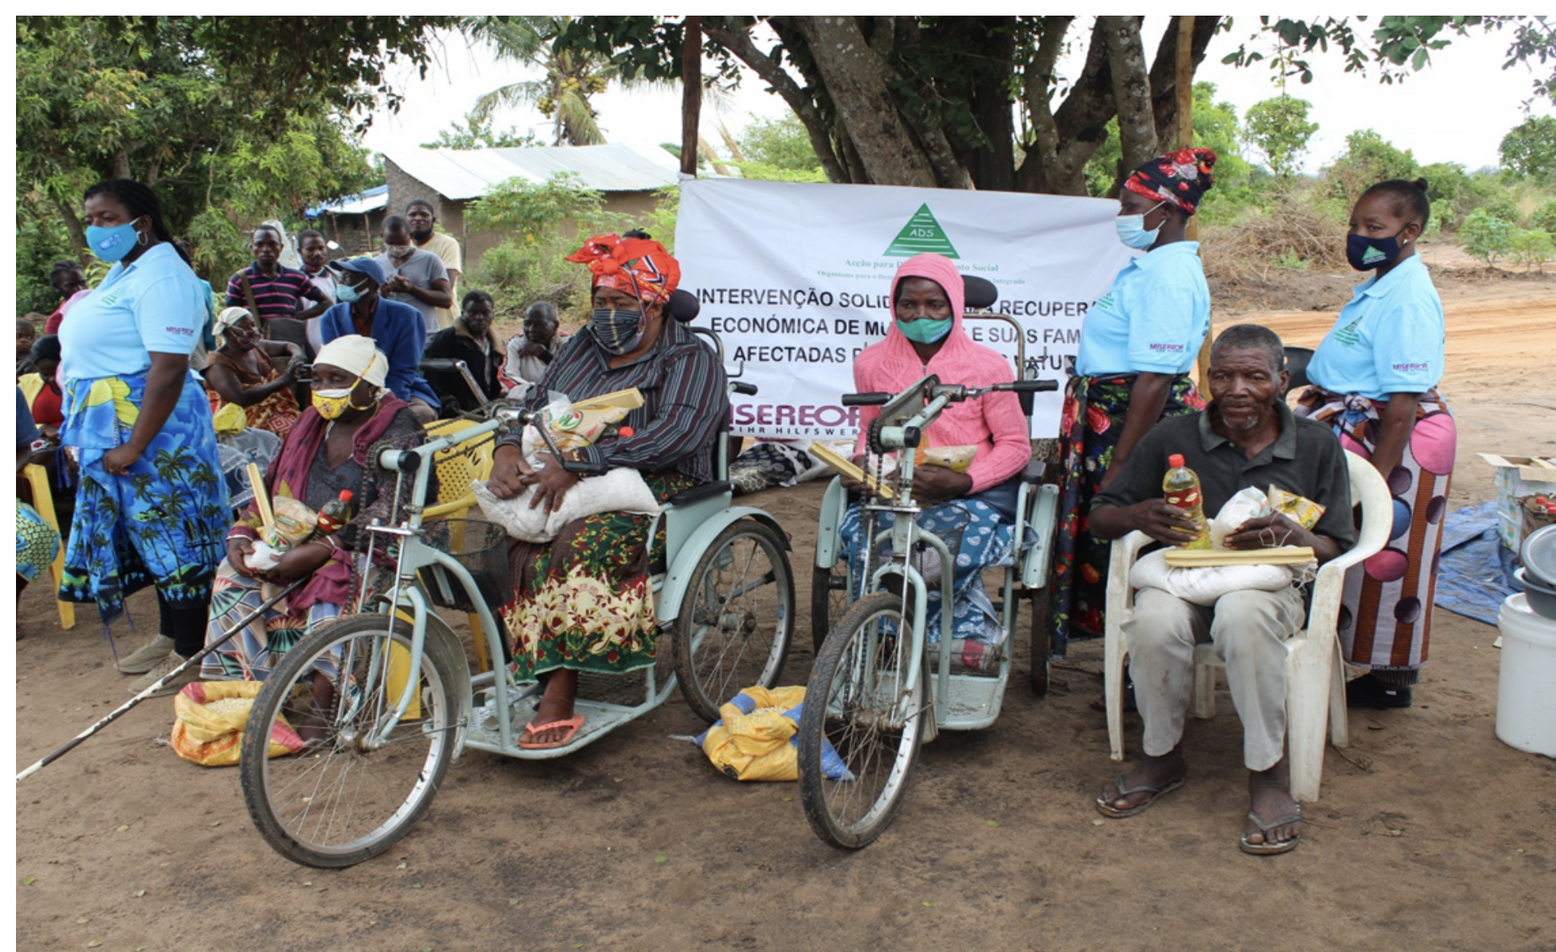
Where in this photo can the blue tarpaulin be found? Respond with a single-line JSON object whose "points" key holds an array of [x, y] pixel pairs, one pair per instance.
{"points": [[1475, 572]]}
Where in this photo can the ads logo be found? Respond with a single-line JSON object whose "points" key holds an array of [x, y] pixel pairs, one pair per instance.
{"points": [[921, 235]]}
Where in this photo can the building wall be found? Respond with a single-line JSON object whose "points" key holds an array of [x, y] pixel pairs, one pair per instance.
{"points": [[404, 187]]}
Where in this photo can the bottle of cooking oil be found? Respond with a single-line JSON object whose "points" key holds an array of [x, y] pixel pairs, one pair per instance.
{"points": [[1180, 487]]}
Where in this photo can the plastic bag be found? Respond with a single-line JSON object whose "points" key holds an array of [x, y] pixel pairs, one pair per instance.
{"points": [[1248, 504], [620, 490], [214, 738], [1301, 510], [754, 737], [1203, 585]]}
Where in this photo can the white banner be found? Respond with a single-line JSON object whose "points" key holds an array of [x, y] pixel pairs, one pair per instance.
{"points": [[795, 279]]}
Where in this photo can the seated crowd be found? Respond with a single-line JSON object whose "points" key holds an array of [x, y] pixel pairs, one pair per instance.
{"points": [[116, 402]]}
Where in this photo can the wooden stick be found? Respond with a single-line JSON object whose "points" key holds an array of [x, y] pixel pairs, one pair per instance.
{"points": [[261, 497], [1278, 555], [846, 466]]}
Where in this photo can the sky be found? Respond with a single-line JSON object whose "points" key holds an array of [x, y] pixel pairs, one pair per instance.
{"points": [[1456, 110]]}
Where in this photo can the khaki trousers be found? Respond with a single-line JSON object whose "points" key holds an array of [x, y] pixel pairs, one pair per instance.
{"points": [[1248, 630]]}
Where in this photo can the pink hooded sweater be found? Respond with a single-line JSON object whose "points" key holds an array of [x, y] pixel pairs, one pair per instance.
{"points": [[993, 423]]}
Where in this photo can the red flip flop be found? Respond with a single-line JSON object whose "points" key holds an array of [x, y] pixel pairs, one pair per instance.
{"points": [[530, 730]]}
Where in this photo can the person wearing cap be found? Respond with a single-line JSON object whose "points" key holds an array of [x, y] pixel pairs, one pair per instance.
{"points": [[583, 602], [1246, 437], [240, 371], [398, 330], [326, 452], [1137, 345]]}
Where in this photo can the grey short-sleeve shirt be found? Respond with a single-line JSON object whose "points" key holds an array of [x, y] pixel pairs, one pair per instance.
{"points": [[422, 268], [1305, 459]]}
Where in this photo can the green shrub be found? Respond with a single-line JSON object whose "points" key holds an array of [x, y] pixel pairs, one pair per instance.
{"points": [[1544, 218], [1531, 248], [1486, 236]]}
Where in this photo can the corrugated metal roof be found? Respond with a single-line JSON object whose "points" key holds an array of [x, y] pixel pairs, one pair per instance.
{"points": [[368, 201], [469, 173]]}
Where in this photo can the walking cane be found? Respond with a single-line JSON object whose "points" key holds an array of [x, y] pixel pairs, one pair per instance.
{"points": [[226, 637]]}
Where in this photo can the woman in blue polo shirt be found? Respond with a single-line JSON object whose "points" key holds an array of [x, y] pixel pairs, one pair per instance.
{"points": [[1138, 343], [151, 507], [1374, 379]]}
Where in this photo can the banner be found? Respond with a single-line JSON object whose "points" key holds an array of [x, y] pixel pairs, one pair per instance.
{"points": [[796, 278]]}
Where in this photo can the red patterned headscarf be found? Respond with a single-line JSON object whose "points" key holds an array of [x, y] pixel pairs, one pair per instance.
{"points": [[1179, 177], [640, 267]]}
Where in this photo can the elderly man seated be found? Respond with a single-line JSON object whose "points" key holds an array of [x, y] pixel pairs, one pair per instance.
{"points": [[1245, 437]]}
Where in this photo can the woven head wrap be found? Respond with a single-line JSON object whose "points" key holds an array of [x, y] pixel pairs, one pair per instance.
{"points": [[640, 267], [1179, 178], [356, 355]]}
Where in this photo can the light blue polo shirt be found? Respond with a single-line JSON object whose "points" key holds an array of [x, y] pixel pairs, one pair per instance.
{"points": [[153, 306], [1391, 338], [1152, 320]]}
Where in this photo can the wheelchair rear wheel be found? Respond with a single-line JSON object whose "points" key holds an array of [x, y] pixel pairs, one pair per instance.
{"points": [[862, 724], [1042, 640], [738, 618]]}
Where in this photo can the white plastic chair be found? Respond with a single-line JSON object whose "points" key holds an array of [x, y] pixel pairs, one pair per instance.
{"points": [[1315, 672]]}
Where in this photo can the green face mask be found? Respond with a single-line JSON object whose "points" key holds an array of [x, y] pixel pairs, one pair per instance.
{"points": [[924, 330]]}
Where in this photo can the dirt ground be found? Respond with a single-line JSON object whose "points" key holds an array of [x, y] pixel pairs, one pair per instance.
{"points": [[1430, 833]]}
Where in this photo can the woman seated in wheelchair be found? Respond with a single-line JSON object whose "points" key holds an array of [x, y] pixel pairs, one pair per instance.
{"points": [[975, 511], [583, 601], [329, 449]]}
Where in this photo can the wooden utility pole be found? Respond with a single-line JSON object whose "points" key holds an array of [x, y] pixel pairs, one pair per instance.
{"points": [[691, 93], [1185, 90]]}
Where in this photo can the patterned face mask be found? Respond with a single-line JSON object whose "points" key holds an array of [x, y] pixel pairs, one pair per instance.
{"points": [[618, 332]]}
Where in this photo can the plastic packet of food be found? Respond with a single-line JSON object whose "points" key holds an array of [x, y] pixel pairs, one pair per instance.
{"points": [[955, 458], [1301, 510], [575, 425]]}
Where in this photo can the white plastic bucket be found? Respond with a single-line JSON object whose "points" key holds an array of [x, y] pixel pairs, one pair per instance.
{"points": [[1526, 686]]}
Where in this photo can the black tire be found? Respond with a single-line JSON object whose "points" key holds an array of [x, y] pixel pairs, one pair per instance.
{"points": [[853, 707], [1042, 640], [737, 619], [828, 598], [401, 776]]}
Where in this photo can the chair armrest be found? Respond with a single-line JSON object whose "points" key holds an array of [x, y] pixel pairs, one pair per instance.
{"points": [[1121, 560], [1032, 473], [449, 508]]}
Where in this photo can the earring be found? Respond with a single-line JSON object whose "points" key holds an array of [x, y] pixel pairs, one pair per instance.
{"points": [[140, 238]]}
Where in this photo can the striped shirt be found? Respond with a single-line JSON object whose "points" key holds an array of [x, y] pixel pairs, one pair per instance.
{"points": [[281, 295], [685, 403]]}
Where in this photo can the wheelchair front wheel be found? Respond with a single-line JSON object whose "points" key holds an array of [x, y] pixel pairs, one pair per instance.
{"points": [[348, 793], [862, 724], [735, 626], [828, 598], [1042, 639]]}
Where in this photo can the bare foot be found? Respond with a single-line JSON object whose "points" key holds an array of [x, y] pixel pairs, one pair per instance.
{"points": [[1156, 772], [1269, 799], [556, 704]]}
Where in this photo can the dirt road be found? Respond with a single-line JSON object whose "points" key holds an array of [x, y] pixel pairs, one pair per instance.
{"points": [[1430, 833]]}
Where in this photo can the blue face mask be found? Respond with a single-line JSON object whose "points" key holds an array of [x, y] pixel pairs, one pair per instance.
{"points": [[112, 244], [925, 330], [1131, 230], [347, 293], [1367, 254]]}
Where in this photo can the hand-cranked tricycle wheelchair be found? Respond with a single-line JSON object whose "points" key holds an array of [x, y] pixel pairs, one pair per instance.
{"points": [[878, 689], [376, 705]]}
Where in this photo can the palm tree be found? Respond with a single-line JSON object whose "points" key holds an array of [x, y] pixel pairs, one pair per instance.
{"points": [[562, 95]]}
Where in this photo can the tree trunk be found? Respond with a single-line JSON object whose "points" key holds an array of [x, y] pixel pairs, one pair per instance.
{"points": [[691, 95], [737, 40], [1131, 89], [856, 80], [72, 225], [1164, 94]]}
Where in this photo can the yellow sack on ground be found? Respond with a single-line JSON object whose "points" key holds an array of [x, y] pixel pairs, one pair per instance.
{"points": [[209, 720], [230, 419], [751, 739]]}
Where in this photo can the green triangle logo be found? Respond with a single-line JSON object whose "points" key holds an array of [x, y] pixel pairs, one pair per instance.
{"points": [[921, 235], [1373, 254]]}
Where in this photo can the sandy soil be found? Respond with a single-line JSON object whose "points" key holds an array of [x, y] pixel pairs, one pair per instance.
{"points": [[1430, 833]]}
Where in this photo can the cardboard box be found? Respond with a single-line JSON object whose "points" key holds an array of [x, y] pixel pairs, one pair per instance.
{"points": [[1516, 478]]}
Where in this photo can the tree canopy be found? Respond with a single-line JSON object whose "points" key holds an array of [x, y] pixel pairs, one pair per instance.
{"points": [[978, 101]]}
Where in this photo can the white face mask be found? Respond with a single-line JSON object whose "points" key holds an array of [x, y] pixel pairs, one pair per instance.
{"points": [[1131, 229]]}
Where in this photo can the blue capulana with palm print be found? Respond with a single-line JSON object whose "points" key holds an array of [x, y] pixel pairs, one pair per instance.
{"points": [[165, 523]]}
